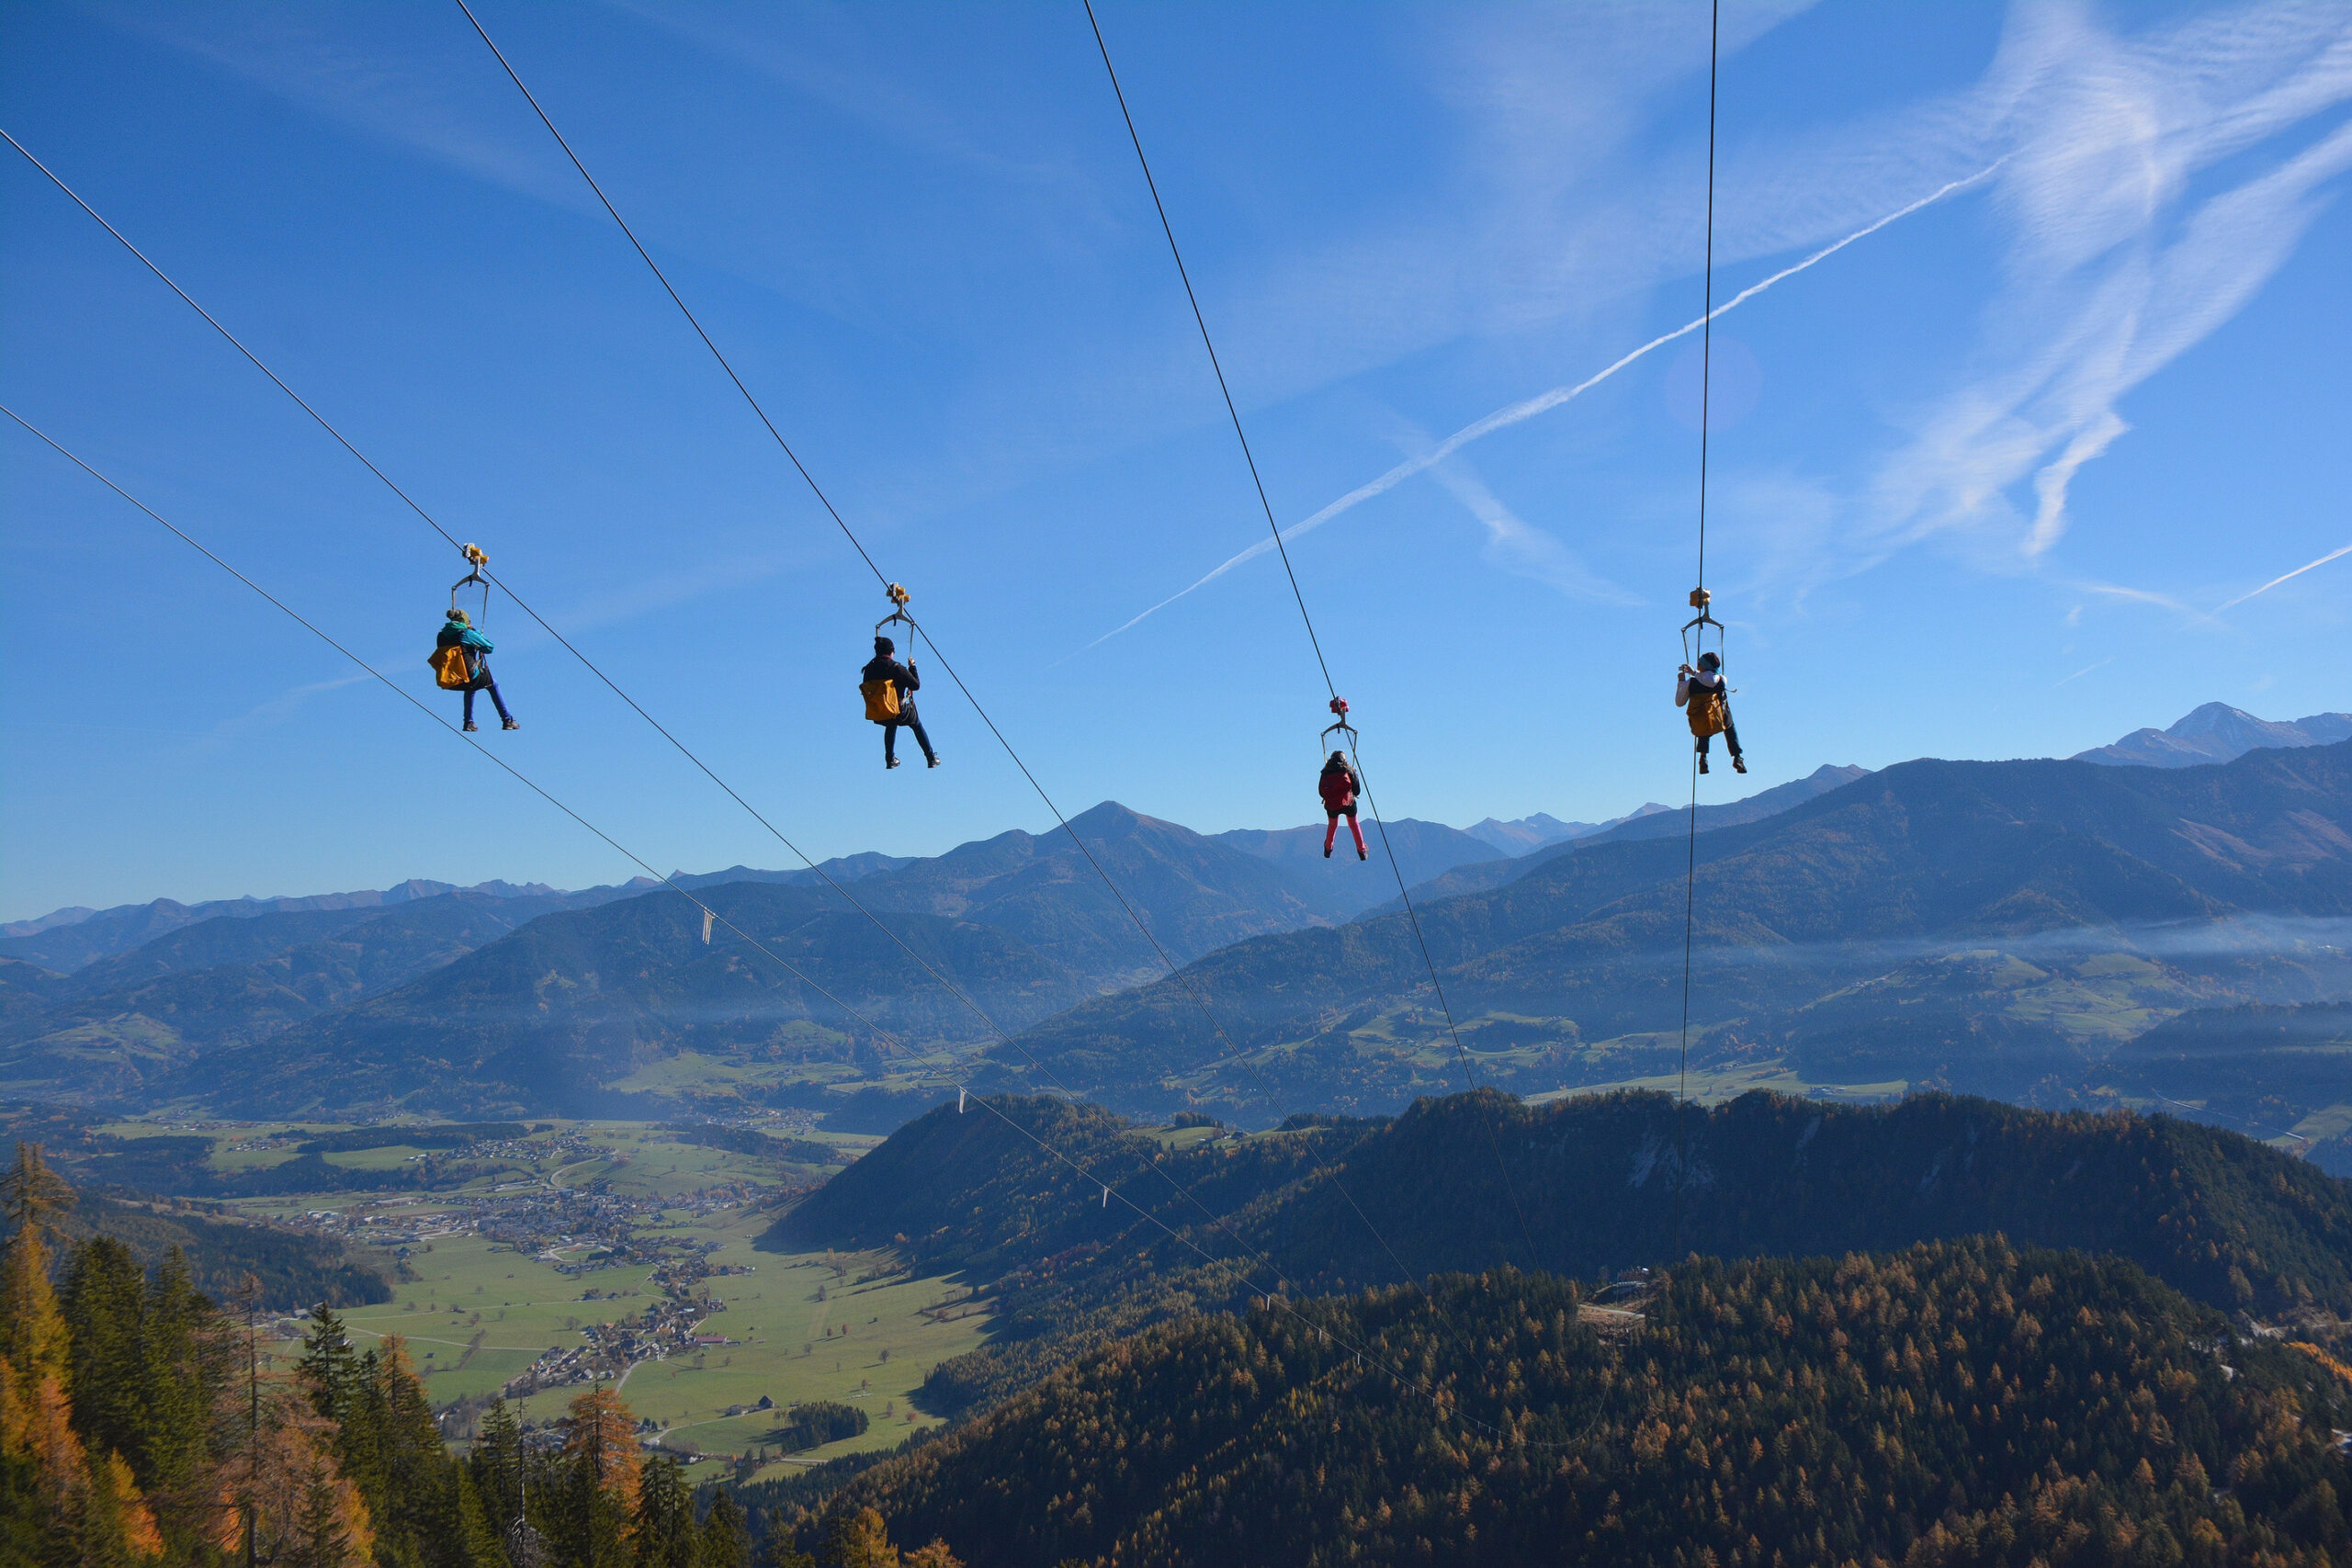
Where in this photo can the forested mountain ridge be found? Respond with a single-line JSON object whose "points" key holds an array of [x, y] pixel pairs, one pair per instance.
{"points": [[1920, 859], [1957, 1403], [2213, 1214]]}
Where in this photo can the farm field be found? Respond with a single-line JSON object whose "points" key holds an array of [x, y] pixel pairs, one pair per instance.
{"points": [[477, 1310]]}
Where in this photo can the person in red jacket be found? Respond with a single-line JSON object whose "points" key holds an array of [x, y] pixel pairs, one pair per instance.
{"points": [[1338, 786]]}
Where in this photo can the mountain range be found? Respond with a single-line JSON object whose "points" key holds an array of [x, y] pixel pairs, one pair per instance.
{"points": [[1999, 927], [1984, 925], [2218, 733], [67, 939]]}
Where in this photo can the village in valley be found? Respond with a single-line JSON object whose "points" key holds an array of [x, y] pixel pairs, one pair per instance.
{"points": [[628, 1255]]}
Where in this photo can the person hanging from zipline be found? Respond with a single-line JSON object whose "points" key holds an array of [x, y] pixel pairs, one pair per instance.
{"points": [[1707, 701], [888, 688], [461, 661], [1339, 787]]}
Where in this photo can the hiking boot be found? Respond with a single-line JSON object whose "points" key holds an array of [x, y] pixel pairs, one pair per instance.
{"points": [[931, 761], [1703, 765], [1739, 765], [890, 762], [1326, 851], [510, 724], [1362, 855], [471, 725]]}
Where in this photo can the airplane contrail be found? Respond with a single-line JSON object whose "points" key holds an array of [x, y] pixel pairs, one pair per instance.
{"points": [[1527, 409], [2346, 550]]}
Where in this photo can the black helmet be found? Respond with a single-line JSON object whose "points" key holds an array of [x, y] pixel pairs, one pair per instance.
{"points": [[1710, 661]]}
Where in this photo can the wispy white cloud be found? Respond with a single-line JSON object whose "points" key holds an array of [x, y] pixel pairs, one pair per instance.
{"points": [[2286, 576], [1542, 403], [2116, 262], [825, 59], [2143, 596], [381, 87], [275, 712], [1523, 549], [2083, 671]]}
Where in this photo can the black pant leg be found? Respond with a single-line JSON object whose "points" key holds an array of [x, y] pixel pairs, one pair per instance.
{"points": [[920, 738]]}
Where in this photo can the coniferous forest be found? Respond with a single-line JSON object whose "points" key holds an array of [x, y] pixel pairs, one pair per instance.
{"points": [[1962, 1400], [136, 1429]]}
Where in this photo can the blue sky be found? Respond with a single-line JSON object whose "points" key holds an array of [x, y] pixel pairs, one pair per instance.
{"points": [[1982, 480]]}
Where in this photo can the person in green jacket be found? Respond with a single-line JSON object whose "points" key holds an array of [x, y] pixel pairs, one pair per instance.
{"points": [[459, 632]]}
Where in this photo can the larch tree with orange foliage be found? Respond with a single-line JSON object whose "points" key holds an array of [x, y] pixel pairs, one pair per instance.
{"points": [[303, 1507], [599, 1508], [62, 1503]]}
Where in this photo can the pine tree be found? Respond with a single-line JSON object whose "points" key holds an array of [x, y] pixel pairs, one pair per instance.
{"points": [[328, 1362], [102, 1305], [388, 1444], [726, 1541], [142, 1383], [781, 1550], [497, 1464], [478, 1534], [189, 1356], [664, 1527], [322, 1534]]}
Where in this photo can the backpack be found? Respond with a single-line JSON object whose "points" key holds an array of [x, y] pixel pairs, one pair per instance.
{"points": [[881, 700], [1706, 712], [450, 667]]}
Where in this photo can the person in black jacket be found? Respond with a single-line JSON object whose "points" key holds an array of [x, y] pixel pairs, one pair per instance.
{"points": [[883, 666], [1708, 700]]}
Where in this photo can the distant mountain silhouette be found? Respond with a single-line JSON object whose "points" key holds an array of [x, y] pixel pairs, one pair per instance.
{"points": [[2218, 733], [1837, 931], [1342, 886], [555, 1014], [1526, 833], [118, 1026], [66, 939], [1652, 821]]}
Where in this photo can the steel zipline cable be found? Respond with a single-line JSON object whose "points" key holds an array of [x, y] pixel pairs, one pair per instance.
{"points": [[1244, 1267], [1175, 971], [947, 984], [1412, 916], [1690, 862]]}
